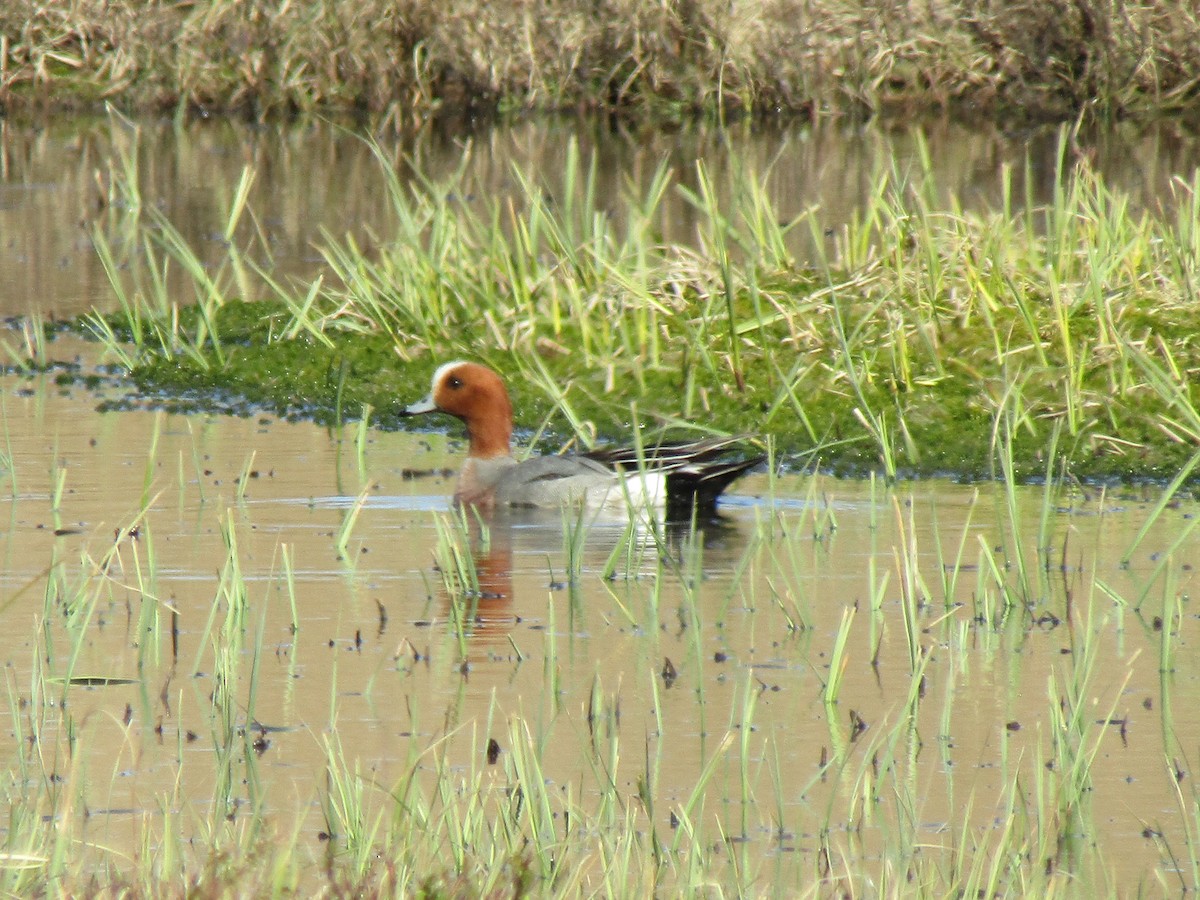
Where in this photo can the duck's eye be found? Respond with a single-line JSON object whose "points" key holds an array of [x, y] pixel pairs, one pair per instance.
{"points": [[454, 383]]}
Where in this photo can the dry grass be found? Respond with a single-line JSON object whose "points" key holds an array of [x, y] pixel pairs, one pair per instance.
{"points": [[401, 58]]}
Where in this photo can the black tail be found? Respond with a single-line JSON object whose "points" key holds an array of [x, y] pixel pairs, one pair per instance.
{"points": [[687, 489], [697, 471]]}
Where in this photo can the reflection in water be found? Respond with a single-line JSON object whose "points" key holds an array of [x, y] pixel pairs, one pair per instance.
{"points": [[316, 179], [477, 553], [481, 603]]}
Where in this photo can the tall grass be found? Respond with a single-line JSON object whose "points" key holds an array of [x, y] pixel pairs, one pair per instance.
{"points": [[410, 60], [926, 342]]}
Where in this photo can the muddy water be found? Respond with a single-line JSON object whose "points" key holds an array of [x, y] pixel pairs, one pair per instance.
{"points": [[57, 181], [349, 627]]}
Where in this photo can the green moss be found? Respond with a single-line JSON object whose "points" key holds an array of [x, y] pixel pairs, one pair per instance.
{"points": [[949, 412]]}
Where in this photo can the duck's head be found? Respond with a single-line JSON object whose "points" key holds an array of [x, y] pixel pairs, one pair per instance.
{"points": [[475, 394]]}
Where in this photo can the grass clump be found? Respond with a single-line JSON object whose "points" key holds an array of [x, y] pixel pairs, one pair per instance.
{"points": [[915, 341], [1056, 59]]}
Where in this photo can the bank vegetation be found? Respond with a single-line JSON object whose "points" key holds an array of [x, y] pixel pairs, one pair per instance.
{"points": [[400, 60]]}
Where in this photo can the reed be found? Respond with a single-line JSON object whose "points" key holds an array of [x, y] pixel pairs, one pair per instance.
{"points": [[406, 63]]}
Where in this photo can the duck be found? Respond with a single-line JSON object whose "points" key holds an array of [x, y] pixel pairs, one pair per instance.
{"points": [[682, 477]]}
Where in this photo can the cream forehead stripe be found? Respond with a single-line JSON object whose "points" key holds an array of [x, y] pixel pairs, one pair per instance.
{"points": [[440, 373]]}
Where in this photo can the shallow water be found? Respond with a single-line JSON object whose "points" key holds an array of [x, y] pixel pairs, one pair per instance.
{"points": [[239, 519], [57, 181], [220, 612]]}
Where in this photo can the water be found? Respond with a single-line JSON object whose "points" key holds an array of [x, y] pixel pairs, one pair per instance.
{"points": [[249, 514], [56, 186], [146, 554]]}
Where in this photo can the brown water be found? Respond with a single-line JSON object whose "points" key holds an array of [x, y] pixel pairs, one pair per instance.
{"points": [[56, 184], [242, 517], [231, 506]]}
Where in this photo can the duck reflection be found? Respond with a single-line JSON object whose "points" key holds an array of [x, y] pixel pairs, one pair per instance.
{"points": [[474, 560], [492, 564]]}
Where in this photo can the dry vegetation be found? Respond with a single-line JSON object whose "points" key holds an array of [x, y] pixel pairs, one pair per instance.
{"points": [[401, 58]]}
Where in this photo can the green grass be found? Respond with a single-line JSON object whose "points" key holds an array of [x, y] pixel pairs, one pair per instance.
{"points": [[923, 342]]}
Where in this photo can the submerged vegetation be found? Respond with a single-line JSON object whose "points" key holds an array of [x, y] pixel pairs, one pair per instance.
{"points": [[396, 60], [911, 341]]}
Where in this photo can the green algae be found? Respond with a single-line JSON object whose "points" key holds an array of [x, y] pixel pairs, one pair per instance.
{"points": [[947, 412]]}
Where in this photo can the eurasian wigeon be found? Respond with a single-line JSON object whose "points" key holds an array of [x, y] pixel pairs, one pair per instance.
{"points": [[680, 476]]}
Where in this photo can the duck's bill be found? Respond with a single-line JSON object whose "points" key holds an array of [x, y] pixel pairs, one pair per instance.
{"points": [[421, 406]]}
